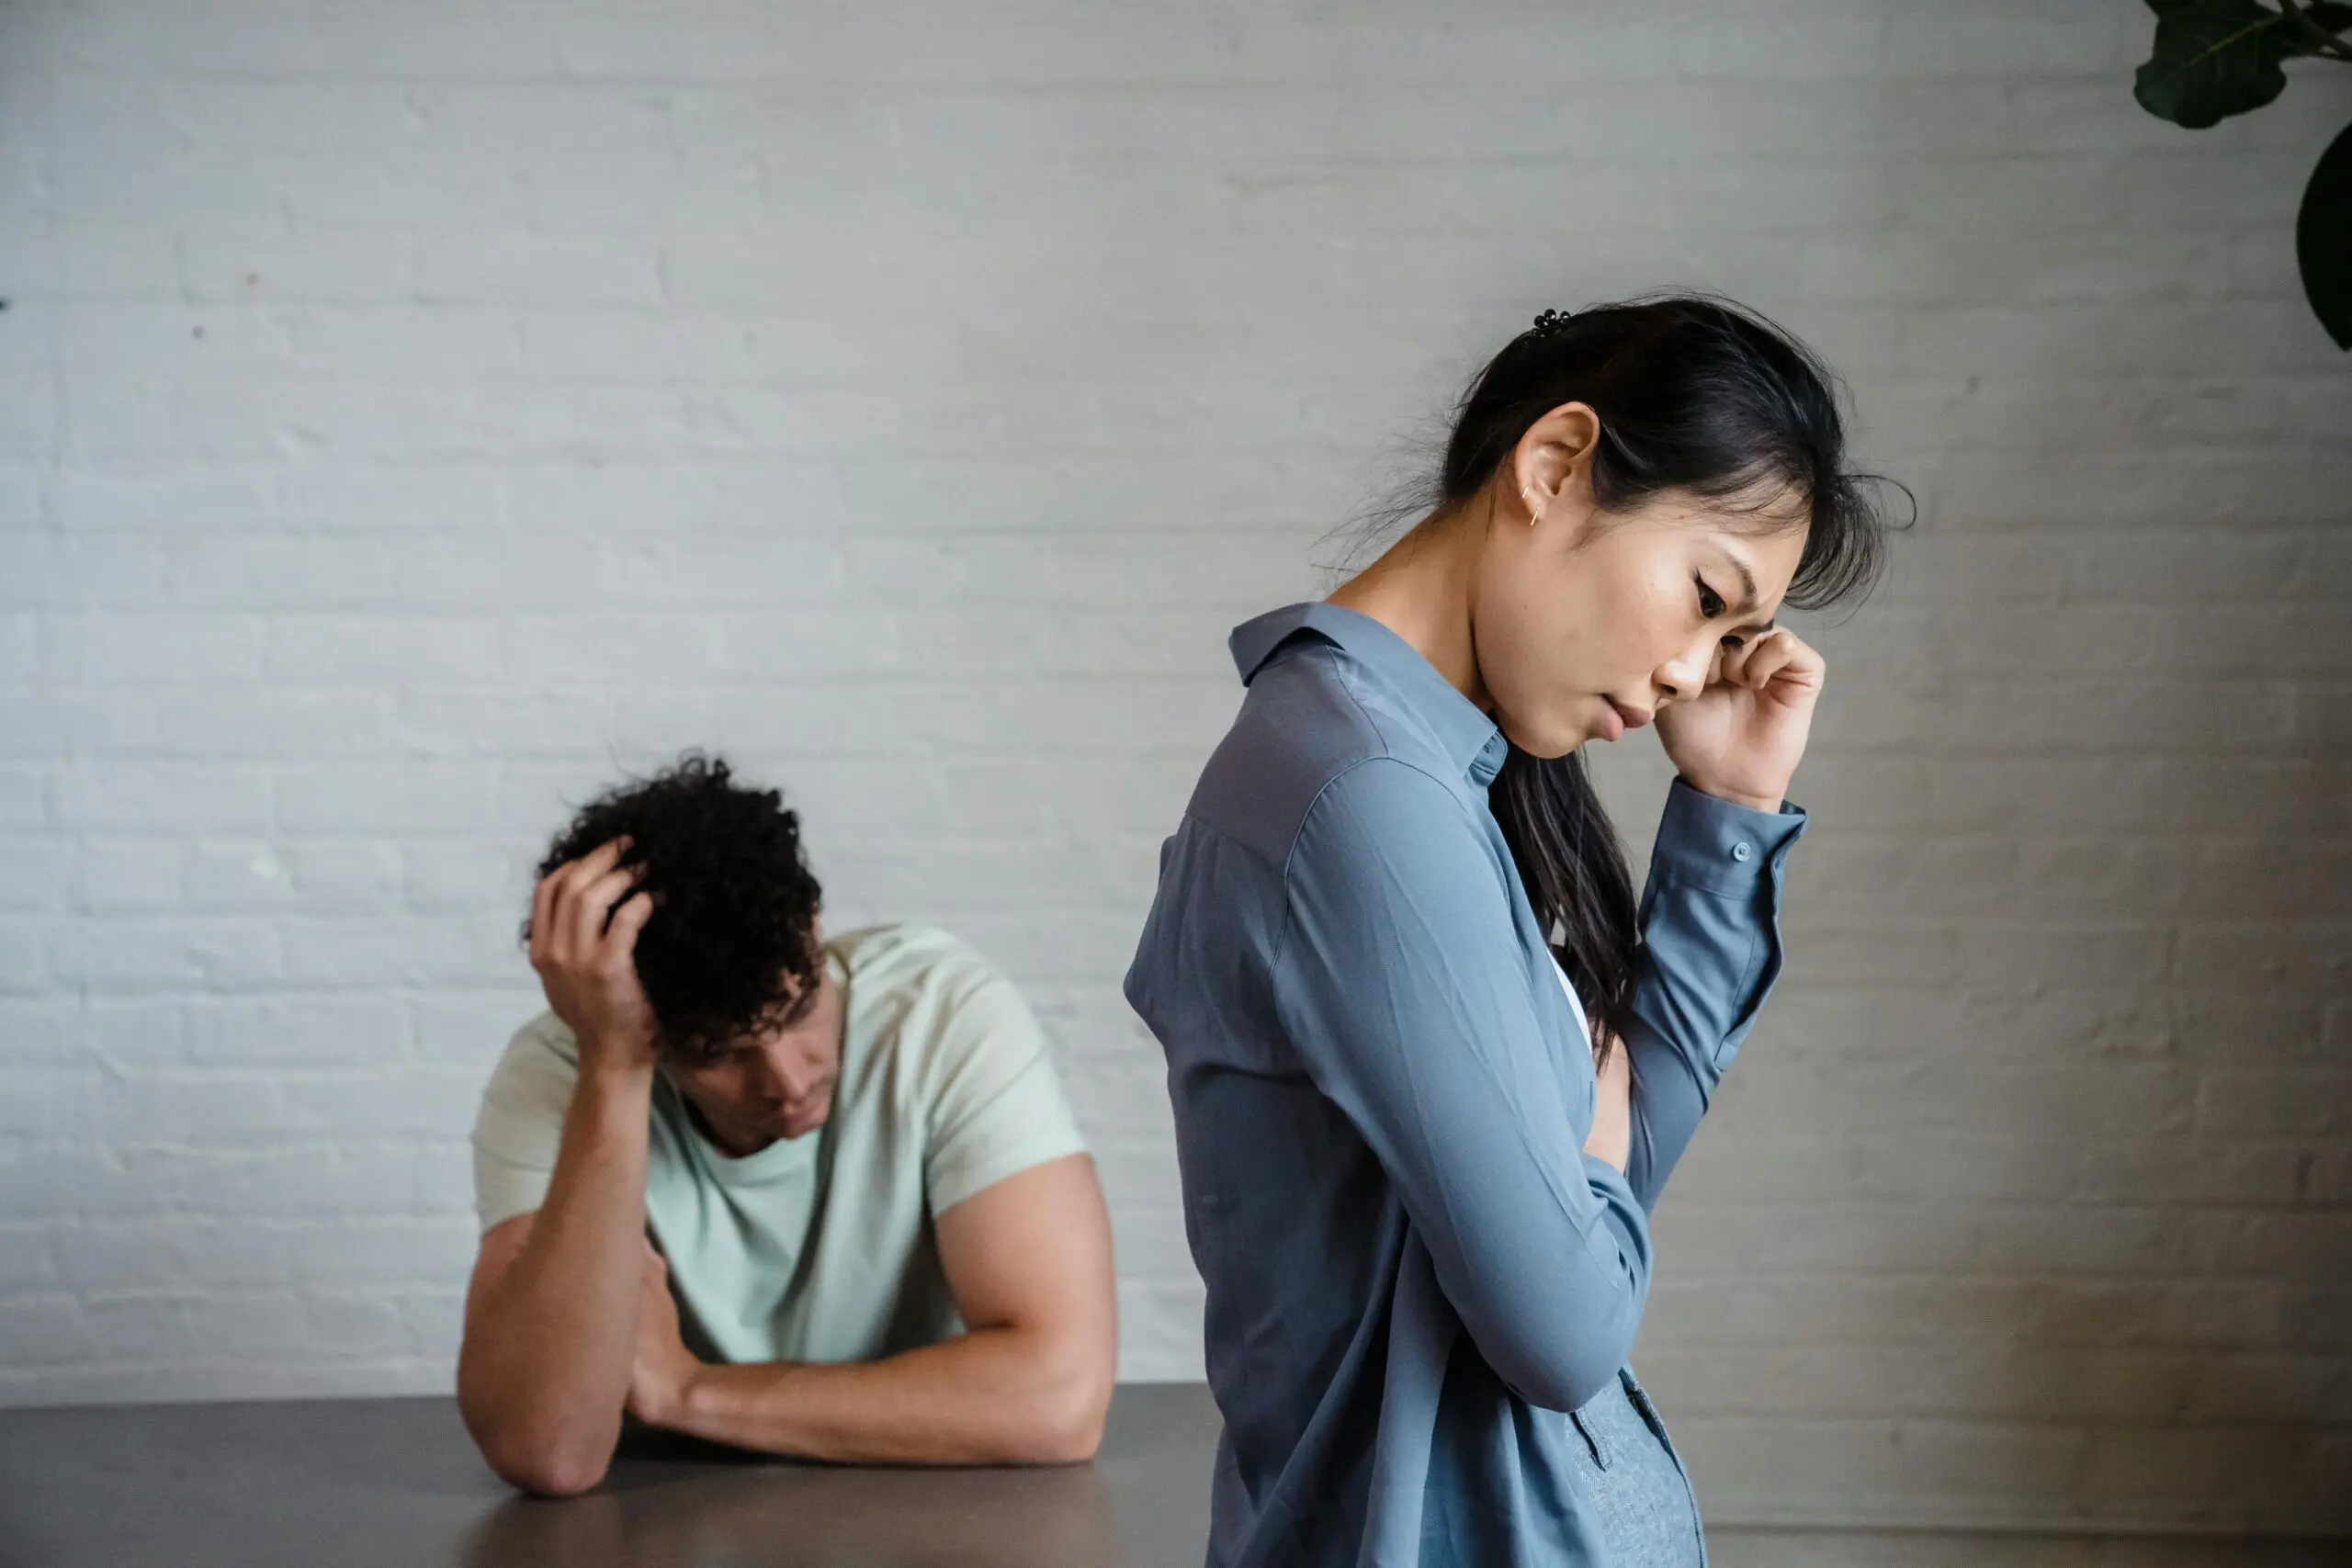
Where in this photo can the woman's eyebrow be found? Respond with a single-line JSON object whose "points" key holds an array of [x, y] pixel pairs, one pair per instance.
{"points": [[1748, 596]]}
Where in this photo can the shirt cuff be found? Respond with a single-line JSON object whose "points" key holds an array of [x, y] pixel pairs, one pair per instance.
{"points": [[1703, 841]]}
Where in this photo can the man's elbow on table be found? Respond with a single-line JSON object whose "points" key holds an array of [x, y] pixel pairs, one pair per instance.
{"points": [[526, 1450], [1064, 1419], [546, 1474], [1029, 1261], [545, 1464]]}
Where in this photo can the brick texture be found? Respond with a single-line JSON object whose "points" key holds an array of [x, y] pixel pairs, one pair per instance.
{"points": [[412, 415]]}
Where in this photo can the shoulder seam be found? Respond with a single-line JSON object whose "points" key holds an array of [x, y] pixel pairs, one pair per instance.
{"points": [[1345, 679]]}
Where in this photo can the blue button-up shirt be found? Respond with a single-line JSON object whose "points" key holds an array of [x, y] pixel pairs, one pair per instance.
{"points": [[1382, 1093]]}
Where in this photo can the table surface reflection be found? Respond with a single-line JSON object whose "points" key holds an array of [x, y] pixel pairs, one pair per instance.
{"points": [[364, 1481]]}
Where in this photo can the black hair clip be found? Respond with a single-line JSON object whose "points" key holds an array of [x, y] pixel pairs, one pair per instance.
{"points": [[1550, 322]]}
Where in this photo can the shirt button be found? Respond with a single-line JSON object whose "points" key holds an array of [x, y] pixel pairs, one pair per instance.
{"points": [[1740, 851]]}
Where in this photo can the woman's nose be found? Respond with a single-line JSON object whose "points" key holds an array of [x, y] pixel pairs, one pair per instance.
{"points": [[1685, 676]]}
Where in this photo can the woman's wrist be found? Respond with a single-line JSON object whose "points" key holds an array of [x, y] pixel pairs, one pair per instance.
{"points": [[1768, 804]]}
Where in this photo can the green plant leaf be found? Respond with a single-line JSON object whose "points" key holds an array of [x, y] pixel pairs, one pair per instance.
{"points": [[2211, 59], [2324, 239], [2329, 17]]}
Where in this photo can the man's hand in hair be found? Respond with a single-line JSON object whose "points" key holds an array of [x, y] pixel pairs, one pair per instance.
{"points": [[584, 920]]}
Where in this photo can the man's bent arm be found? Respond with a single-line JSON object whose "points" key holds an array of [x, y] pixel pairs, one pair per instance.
{"points": [[550, 1331], [1029, 1260], [551, 1315]]}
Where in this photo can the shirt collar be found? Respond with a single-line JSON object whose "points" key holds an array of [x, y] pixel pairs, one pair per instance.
{"points": [[1469, 737]]}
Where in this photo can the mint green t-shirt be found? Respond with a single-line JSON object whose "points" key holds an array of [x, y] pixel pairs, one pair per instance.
{"points": [[818, 1248]]}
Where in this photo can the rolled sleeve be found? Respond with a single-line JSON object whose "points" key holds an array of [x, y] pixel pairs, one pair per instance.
{"points": [[1711, 953]]}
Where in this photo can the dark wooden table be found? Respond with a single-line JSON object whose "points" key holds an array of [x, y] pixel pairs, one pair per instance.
{"points": [[359, 1483]]}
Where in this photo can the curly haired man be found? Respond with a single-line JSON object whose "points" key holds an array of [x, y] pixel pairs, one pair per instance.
{"points": [[809, 1194]]}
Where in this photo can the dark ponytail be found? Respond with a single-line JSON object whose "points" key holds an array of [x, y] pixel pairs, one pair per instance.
{"points": [[1695, 395]]}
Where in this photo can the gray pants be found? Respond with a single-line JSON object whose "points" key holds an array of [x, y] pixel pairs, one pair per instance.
{"points": [[1649, 1514]]}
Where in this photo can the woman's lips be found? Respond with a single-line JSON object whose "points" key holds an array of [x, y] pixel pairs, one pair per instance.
{"points": [[1623, 718]]}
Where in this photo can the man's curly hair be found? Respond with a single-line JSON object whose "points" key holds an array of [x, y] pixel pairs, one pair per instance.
{"points": [[731, 942]]}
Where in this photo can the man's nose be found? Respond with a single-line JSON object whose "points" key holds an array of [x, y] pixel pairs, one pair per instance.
{"points": [[785, 1081], [767, 1081]]}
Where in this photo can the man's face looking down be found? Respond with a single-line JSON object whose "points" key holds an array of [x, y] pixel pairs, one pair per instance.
{"points": [[774, 1084]]}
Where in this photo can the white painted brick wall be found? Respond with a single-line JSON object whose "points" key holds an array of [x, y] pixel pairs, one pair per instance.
{"points": [[411, 414]]}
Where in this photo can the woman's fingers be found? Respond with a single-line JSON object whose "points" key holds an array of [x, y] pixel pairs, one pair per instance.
{"points": [[1756, 662], [1789, 655], [1720, 668], [1770, 657]]}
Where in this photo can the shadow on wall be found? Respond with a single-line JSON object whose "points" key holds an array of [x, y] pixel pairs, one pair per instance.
{"points": [[2030, 1204], [2165, 970], [2081, 1018]]}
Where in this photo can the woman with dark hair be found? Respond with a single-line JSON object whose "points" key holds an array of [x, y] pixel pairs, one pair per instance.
{"points": [[1431, 1063]]}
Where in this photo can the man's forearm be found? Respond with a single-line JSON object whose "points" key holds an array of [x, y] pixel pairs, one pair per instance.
{"points": [[544, 1371], [991, 1396]]}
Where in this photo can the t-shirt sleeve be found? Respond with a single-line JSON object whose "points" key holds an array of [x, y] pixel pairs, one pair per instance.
{"points": [[520, 1124], [995, 1106]]}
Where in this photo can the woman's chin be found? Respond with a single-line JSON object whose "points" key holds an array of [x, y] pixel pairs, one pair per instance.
{"points": [[1549, 742]]}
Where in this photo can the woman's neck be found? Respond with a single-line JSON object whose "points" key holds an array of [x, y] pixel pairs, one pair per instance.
{"points": [[1422, 588]]}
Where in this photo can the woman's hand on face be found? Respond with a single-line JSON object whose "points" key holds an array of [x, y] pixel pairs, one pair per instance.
{"points": [[1741, 739]]}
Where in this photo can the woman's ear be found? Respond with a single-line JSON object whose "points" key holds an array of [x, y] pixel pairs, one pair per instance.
{"points": [[1554, 458]]}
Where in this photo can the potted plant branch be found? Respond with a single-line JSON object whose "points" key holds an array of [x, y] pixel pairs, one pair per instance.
{"points": [[2216, 58]]}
